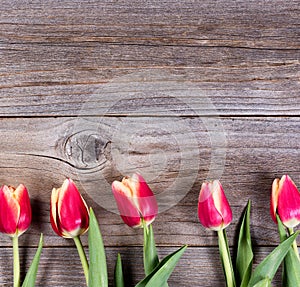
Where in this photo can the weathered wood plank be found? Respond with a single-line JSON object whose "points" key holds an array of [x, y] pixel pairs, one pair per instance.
{"points": [[152, 77], [207, 91], [254, 24], [175, 156], [243, 56], [61, 266]]}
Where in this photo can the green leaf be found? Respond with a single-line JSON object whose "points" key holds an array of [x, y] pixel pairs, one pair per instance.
{"points": [[291, 270], [244, 258], [263, 283], [268, 267], [150, 254], [119, 279], [281, 229], [151, 259], [162, 272], [97, 269], [291, 264], [29, 280]]}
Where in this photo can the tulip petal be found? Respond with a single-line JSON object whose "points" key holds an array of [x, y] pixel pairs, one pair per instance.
{"points": [[288, 202], [140, 186], [274, 199], [72, 210], [22, 197], [135, 200], [53, 211], [127, 208], [9, 210], [147, 203], [208, 214], [214, 211], [69, 214], [221, 203]]}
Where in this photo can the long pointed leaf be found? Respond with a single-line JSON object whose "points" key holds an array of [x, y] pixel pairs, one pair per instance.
{"points": [[291, 264], [119, 279], [97, 269], [162, 272], [30, 278], [263, 283], [281, 230], [268, 267], [291, 270], [244, 258]]}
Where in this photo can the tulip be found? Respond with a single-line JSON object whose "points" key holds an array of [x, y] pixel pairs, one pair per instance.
{"points": [[285, 201], [214, 211], [69, 214], [135, 200], [15, 218], [15, 210]]}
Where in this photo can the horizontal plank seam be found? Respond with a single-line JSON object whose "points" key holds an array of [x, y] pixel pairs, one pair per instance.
{"points": [[137, 246], [154, 116], [46, 44]]}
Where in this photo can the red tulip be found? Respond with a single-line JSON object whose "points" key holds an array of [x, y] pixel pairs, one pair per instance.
{"points": [[285, 201], [214, 211], [69, 214], [15, 210], [135, 200]]}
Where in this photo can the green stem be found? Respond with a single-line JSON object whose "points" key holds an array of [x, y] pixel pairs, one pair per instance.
{"points": [[294, 245], [16, 261], [226, 259], [150, 253], [83, 259], [145, 245]]}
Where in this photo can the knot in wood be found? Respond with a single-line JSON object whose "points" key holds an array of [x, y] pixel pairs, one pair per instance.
{"points": [[86, 149]]}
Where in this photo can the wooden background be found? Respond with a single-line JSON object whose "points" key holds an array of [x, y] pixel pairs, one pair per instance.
{"points": [[61, 116]]}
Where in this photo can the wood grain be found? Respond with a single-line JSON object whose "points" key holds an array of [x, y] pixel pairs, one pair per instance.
{"points": [[236, 96], [59, 266], [181, 91], [252, 24], [96, 151], [244, 57]]}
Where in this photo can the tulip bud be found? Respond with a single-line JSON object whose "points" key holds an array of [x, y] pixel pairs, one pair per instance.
{"points": [[69, 214], [214, 211], [285, 201], [135, 200], [15, 210]]}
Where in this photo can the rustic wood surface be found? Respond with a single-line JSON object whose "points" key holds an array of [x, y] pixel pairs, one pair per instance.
{"points": [[181, 91], [192, 261]]}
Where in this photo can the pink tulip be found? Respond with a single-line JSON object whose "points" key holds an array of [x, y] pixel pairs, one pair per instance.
{"points": [[214, 211], [135, 200], [285, 201], [69, 214], [15, 210]]}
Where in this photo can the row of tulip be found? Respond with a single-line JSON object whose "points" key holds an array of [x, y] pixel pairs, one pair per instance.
{"points": [[70, 217], [215, 213]]}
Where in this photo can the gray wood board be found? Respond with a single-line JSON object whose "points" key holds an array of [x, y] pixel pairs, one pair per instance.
{"points": [[243, 56], [181, 91], [61, 266], [95, 151]]}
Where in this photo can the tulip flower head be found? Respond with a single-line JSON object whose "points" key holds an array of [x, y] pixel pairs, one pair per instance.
{"points": [[214, 211], [15, 210], [69, 214], [135, 200], [285, 201]]}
